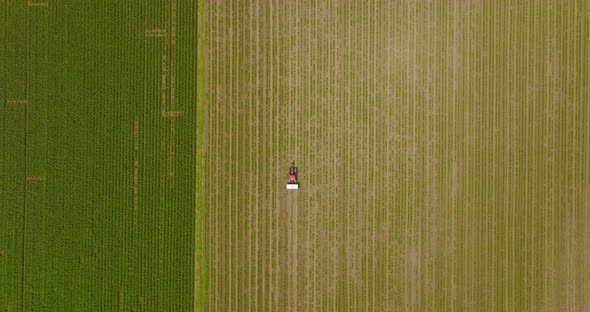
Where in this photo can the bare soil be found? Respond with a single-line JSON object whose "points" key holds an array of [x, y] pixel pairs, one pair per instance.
{"points": [[442, 150]]}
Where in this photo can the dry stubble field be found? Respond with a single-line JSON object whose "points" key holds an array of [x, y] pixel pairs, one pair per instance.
{"points": [[442, 149]]}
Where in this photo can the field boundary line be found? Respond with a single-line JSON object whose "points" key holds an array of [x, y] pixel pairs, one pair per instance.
{"points": [[200, 285]]}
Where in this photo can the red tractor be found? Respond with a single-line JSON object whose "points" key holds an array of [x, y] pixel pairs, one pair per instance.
{"points": [[292, 183]]}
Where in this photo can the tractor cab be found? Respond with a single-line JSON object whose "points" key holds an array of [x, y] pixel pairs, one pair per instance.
{"points": [[292, 183]]}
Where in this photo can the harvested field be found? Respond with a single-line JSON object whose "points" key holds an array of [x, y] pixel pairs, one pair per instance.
{"points": [[443, 152]]}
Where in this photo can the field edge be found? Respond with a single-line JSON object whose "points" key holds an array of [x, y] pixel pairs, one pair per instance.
{"points": [[200, 276]]}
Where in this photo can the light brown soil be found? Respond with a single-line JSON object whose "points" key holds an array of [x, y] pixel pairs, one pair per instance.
{"points": [[37, 4], [442, 150]]}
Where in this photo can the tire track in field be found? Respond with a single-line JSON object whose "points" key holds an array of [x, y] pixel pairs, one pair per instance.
{"points": [[366, 151], [389, 169], [280, 221], [290, 146], [208, 251], [294, 249], [289, 143], [376, 251], [307, 162], [264, 202], [349, 179], [296, 124], [226, 158], [230, 172], [215, 125], [338, 183], [273, 165], [251, 103], [241, 278], [275, 149], [297, 144], [223, 88], [249, 152], [236, 138], [256, 148]]}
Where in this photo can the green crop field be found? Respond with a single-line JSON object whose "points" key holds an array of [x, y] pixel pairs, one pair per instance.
{"points": [[443, 151], [98, 151]]}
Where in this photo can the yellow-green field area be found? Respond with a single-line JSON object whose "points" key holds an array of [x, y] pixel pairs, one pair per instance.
{"points": [[443, 153]]}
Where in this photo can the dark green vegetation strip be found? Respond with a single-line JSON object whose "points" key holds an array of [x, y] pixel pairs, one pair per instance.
{"points": [[97, 156]]}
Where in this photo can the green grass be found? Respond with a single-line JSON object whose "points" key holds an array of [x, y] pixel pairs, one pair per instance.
{"points": [[75, 236]]}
